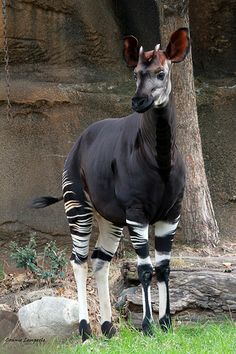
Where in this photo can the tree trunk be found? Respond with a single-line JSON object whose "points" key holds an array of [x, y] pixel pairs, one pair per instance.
{"points": [[198, 219]]}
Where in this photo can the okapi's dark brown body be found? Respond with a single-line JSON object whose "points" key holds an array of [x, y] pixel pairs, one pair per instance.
{"points": [[124, 175]]}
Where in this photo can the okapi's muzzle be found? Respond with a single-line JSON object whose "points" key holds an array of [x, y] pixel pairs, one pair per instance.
{"points": [[142, 104]]}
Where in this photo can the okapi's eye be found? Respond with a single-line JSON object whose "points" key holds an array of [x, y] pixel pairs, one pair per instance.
{"points": [[161, 75]]}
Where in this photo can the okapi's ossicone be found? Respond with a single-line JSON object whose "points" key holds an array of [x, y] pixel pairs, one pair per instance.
{"points": [[128, 171]]}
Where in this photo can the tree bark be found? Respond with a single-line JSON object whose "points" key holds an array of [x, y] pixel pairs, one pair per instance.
{"points": [[198, 219]]}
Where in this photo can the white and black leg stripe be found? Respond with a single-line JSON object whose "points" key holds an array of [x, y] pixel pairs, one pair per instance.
{"points": [[144, 262], [164, 235], [80, 218], [107, 243], [79, 213], [139, 238]]}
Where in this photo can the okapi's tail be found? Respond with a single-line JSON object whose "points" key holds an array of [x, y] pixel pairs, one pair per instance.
{"points": [[43, 202]]}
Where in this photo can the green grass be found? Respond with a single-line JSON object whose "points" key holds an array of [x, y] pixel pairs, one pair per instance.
{"points": [[215, 338]]}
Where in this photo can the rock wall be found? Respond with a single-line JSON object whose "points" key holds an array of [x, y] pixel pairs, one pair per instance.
{"points": [[62, 31], [65, 64], [67, 71], [47, 119], [213, 37]]}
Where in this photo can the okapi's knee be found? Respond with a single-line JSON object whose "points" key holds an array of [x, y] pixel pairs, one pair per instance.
{"points": [[100, 259], [78, 259], [163, 271], [145, 272]]}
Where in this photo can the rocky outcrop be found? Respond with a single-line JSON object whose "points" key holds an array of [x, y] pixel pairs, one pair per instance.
{"points": [[200, 288]]}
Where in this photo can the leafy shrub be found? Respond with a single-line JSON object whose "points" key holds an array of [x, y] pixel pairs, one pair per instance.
{"points": [[25, 257], [50, 268]]}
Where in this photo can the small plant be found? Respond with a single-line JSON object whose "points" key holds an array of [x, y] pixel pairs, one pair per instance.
{"points": [[25, 257], [2, 273], [49, 269], [56, 259]]}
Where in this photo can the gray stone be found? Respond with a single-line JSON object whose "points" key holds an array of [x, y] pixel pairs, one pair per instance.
{"points": [[49, 317]]}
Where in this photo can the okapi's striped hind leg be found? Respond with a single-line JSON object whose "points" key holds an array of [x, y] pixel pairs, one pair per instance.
{"points": [[106, 246], [79, 213], [164, 236]]}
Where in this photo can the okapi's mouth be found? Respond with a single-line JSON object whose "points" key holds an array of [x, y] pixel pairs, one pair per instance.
{"points": [[142, 104]]}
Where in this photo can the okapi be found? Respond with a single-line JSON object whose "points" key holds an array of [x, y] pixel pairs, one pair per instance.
{"points": [[128, 172]]}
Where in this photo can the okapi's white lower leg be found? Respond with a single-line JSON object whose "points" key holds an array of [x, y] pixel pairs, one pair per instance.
{"points": [[106, 247], [139, 238], [103, 292], [80, 273], [164, 235], [102, 280]]}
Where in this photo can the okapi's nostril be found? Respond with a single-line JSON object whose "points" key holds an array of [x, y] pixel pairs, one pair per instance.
{"points": [[142, 101], [135, 102], [138, 101]]}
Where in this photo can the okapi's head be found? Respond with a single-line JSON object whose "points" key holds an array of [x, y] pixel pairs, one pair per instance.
{"points": [[152, 69]]}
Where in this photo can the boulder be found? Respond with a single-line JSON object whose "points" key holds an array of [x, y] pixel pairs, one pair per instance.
{"points": [[49, 317]]}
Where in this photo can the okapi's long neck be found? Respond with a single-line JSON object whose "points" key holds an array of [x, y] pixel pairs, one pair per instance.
{"points": [[158, 131]]}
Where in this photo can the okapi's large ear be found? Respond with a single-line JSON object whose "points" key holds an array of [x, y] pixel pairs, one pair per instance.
{"points": [[178, 46], [130, 51]]}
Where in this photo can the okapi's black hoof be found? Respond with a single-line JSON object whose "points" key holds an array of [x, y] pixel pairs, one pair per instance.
{"points": [[147, 327], [108, 329], [85, 330], [165, 323]]}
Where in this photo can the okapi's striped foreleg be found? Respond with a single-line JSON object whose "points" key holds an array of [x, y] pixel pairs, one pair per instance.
{"points": [[79, 213], [139, 238], [164, 235], [106, 246]]}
